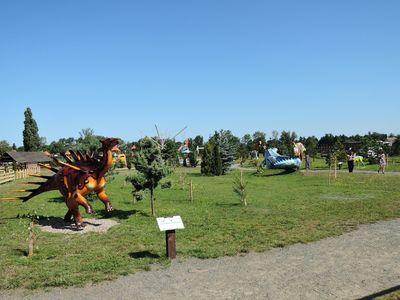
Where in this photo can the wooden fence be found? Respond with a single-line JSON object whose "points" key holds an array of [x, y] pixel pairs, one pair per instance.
{"points": [[8, 174]]}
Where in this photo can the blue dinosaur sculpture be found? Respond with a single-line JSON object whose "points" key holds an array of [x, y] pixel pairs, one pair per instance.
{"points": [[274, 160]]}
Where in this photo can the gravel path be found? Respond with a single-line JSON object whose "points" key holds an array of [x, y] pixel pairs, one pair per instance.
{"points": [[350, 266]]}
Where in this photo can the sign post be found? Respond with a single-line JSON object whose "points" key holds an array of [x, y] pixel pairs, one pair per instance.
{"points": [[170, 243], [169, 225]]}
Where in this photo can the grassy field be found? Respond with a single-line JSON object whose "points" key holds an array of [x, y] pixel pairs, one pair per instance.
{"points": [[284, 208]]}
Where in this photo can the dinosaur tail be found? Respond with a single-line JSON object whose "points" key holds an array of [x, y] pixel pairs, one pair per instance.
{"points": [[44, 186]]}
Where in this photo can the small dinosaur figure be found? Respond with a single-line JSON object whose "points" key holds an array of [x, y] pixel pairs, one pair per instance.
{"points": [[79, 175], [299, 150]]}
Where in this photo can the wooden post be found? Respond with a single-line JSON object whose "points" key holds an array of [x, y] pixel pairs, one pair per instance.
{"points": [[170, 241], [330, 171], [241, 184], [191, 190], [31, 239], [153, 210], [335, 167]]}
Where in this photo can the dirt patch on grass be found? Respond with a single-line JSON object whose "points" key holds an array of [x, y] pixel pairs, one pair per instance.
{"points": [[346, 196], [58, 225]]}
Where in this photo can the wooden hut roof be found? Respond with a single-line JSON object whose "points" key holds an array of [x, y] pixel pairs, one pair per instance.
{"points": [[25, 157]]}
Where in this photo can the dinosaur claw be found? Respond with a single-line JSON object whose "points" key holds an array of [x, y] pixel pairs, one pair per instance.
{"points": [[109, 207]]}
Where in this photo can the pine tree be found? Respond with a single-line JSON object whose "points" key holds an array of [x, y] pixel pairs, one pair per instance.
{"points": [[240, 188], [30, 134], [150, 168], [192, 154], [227, 153], [169, 153], [217, 165], [218, 155], [206, 161]]}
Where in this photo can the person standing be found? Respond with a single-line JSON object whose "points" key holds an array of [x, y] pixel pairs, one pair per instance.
{"points": [[350, 161], [308, 162], [382, 162]]}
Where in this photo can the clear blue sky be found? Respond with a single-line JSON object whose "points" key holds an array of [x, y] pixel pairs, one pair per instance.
{"points": [[120, 67]]}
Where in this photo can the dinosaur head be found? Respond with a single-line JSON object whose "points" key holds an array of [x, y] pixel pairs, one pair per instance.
{"points": [[109, 143]]}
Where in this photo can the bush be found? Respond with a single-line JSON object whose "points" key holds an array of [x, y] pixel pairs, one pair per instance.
{"points": [[119, 164], [166, 184]]}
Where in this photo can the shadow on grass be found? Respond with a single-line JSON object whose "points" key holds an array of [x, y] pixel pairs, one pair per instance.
{"points": [[59, 223], [25, 216], [228, 204], [196, 175], [121, 214], [284, 172], [20, 252], [143, 254], [57, 200]]}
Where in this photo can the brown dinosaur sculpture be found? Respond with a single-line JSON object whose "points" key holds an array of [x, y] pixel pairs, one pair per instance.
{"points": [[80, 174]]}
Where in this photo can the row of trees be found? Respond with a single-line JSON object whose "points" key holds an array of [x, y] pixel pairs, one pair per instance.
{"points": [[221, 141]]}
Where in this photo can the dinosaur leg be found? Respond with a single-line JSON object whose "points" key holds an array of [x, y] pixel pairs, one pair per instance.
{"points": [[101, 194], [68, 216], [77, 217], [82, 201], [74, 208]]}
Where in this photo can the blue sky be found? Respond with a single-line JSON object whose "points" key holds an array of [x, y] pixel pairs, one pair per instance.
{"points": [[120, 67]]}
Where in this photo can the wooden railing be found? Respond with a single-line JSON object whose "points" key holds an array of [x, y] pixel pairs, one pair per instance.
{"points": [[8, 174]]}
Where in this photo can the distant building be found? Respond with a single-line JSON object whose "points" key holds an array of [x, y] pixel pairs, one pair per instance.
{"points": [[26, 164], [26, 159]]}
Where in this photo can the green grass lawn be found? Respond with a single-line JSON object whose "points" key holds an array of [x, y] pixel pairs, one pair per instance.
{"points": [[283, 209]]}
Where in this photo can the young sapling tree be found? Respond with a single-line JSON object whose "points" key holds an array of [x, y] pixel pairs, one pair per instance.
{"points": [[150, 168], [240, 188]]}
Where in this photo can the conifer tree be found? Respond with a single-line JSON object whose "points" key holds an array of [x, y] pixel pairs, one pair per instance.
{"points": [[192, 154], [30, 134], [150, 168], [217, 166], [218, 155], [227, 153], [169, 153], [206, 161]]}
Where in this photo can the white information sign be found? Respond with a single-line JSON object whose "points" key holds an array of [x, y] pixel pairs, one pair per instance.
{"points": [[171, 223]]}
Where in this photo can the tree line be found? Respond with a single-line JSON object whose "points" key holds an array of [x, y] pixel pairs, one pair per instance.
{"points": [[219, 150]]}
